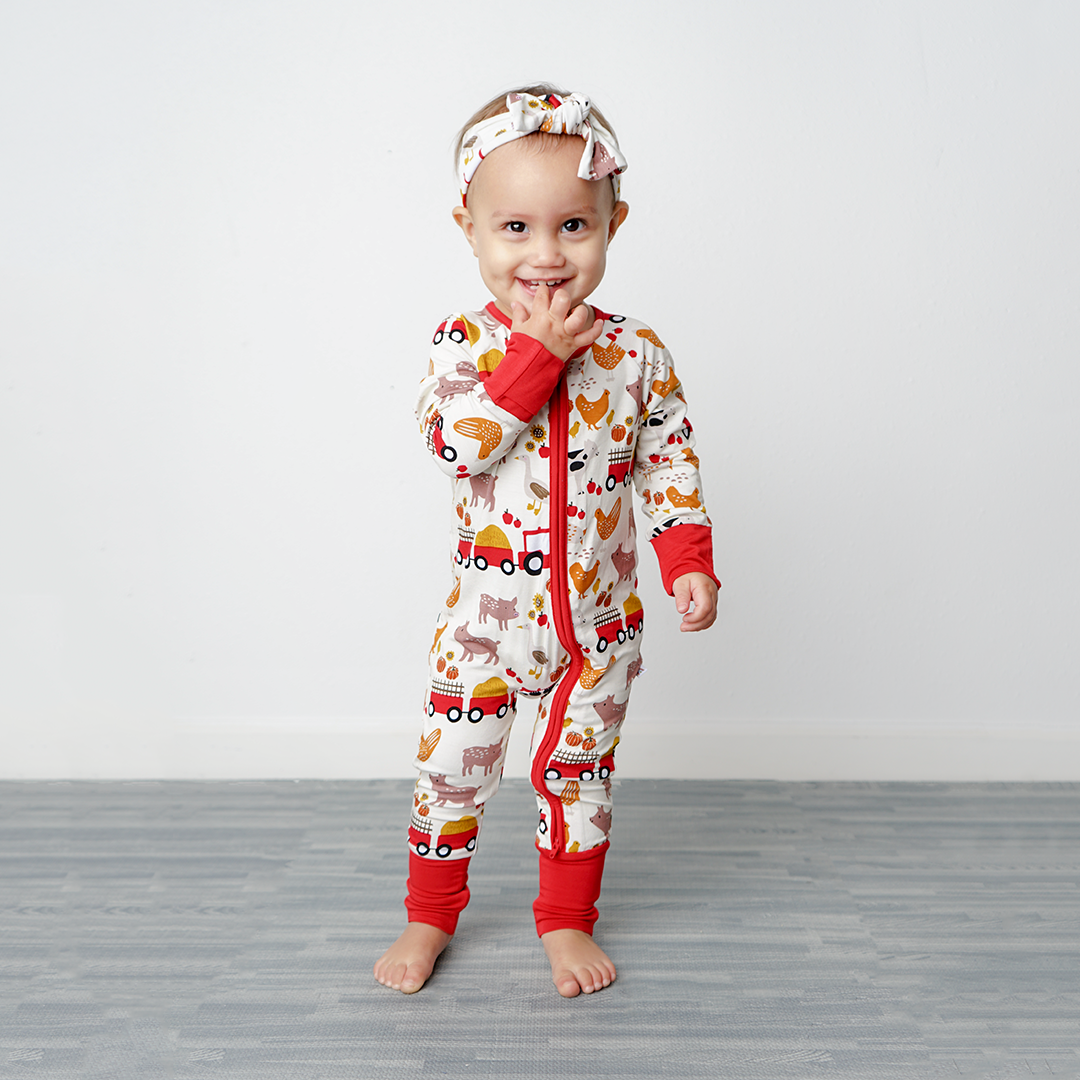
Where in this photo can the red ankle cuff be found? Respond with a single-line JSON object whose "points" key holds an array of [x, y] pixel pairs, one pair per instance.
{"points": [[569, 889], [438, 891]]}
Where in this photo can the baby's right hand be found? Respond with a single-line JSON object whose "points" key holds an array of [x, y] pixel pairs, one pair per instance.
{"points": [[550, 322]]}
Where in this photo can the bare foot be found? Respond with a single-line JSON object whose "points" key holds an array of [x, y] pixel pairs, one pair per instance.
{"points": [[406, 965], [578, 964]]}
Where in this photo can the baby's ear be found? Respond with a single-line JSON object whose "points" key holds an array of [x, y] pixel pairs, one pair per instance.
{"points": [[465, 221], [618, 216]]}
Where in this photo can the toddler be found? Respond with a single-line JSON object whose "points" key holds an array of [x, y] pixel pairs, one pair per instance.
{"points": [[543, 410]]}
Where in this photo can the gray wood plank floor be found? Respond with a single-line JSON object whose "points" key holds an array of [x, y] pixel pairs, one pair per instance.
{"points": [[761, 930]]}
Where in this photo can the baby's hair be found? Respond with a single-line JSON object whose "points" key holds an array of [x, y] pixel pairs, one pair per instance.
{"points": [[498, 105]]}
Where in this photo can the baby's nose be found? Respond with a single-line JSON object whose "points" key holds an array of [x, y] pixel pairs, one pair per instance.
{"points": [[547, 251]]}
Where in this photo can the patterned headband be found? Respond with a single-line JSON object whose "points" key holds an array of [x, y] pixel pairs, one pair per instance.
{"points": [[570, 116]]}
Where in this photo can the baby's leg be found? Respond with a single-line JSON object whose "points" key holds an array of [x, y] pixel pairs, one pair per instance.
{"points": [[574, 759], [460, 762], [565, 912], [437, 894]]}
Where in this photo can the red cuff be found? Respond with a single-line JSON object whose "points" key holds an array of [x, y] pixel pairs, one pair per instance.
{"points": [[438, 891], [525, 378], [569, 889], [684, 549]]}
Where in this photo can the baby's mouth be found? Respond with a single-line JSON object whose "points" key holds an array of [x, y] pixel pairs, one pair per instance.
{"points": [[531, 286]]}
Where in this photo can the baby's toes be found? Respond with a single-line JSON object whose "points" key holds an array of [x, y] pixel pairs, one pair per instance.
{"points": [[567, 983], [413, 978]]}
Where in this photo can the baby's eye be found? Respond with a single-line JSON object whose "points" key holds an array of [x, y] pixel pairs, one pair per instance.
{"points": [[515, 226], [574, 225]]}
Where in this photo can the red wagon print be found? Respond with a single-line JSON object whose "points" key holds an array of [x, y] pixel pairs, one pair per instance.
{"points": [[420, 833], [435, 441], [456, 333], [465, 545], [568, 763], [453, 836], [446, 697], [609, 628], [491, 697], [491, 548], [620, 462]]}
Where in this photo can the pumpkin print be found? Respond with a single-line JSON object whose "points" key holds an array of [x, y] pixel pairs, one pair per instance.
{"points": [[573, 738]]}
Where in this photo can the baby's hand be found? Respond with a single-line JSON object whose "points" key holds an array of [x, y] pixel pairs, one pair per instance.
{"points": [[551, 322], [701, 589]]}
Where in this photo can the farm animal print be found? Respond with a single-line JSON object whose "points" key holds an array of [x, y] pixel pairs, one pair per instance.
{"points": [[543, 457]]}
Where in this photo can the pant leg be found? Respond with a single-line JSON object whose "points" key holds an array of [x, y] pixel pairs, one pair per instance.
{"points": [[469, 709], [573, 764]]}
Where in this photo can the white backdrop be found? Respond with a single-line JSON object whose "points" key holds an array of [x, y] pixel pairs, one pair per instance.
{"points": [[225, 240]]}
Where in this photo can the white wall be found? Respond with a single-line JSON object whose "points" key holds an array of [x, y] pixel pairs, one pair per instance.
{"points": [[224, 243]]}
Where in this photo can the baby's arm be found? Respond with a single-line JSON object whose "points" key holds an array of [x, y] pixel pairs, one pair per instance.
{"points": [[470, 421], [666, 476], [700, 589]]}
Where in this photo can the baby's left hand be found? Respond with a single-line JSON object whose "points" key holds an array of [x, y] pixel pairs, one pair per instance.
{"points": [[701, 590]]}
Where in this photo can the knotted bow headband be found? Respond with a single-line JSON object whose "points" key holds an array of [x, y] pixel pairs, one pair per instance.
{"points": [[569, 116]]}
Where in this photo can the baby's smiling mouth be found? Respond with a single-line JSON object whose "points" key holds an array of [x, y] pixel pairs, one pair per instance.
{"points": [[551, 283]]}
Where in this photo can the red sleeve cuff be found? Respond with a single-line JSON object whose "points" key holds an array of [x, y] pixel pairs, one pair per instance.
{"points": [[684, 549], [525, 378]]}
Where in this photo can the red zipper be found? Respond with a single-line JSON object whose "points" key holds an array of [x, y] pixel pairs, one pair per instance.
{"points": [[558, 420]]}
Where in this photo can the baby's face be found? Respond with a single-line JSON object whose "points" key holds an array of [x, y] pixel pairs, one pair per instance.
{"points": [[531, 218]]}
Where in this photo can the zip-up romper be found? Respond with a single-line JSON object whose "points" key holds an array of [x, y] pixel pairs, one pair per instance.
{"points": [[543, 602]]}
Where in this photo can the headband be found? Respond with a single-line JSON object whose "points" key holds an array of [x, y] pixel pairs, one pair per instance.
{"points": [[570, 116]]}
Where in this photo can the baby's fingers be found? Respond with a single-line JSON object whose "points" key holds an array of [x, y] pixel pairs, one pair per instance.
{"points": [[587, 337], [577, 320], [558, 304], [541, 298]]}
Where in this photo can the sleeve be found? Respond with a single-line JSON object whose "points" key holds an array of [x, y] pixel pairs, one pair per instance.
{"points": [[666, 474], [472, 408]]}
